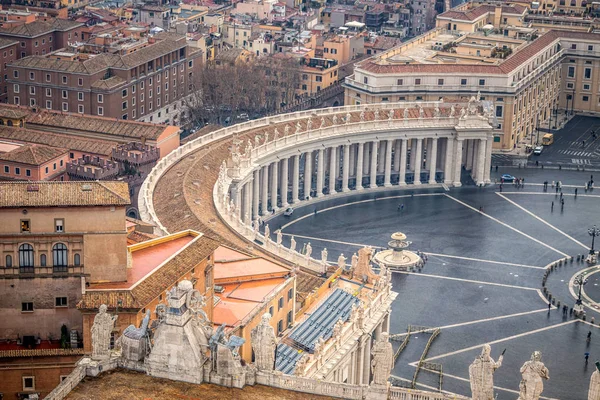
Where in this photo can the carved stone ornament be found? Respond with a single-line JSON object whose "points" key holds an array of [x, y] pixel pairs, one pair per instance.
{"points": [[101, 331], [481, 374], [264, 343], [383, 360], [533, 372]]}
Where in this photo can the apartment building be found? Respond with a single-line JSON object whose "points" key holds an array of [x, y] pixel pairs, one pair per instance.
{"points": [[148, 84], [32, 162]]}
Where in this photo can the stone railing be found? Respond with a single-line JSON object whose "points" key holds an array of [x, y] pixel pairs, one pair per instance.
{"points": [[398, 393], [312, 386], [65, 387]]}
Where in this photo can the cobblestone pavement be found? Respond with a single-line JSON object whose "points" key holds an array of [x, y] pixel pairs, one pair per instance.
{"points": [[482, 282]]}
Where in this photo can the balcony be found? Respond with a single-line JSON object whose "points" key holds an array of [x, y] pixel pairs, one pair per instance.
{"points": [[31, 272]]}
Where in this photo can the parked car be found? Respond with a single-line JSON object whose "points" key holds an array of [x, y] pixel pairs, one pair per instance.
{"points": [[538, 150], [508, 178], [288, 212]]}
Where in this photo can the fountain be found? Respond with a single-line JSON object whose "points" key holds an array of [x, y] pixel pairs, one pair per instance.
{"points": [[397, 257]]}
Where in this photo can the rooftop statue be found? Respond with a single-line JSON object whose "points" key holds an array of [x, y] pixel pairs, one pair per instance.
{"points": [[101, 330], [264, 343], [532, 372], [383, 360], [481, 374]]}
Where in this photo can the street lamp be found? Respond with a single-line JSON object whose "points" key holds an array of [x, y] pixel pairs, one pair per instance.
{"points": [[580, 281], [593, 233]]}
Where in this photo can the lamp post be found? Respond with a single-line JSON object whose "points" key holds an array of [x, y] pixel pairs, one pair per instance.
{"points": [[593, 232], [579, 281]]}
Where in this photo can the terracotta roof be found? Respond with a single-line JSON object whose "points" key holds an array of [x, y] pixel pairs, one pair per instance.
{"points": [[7, 42], [33, 154], [38, 28], [92, 146], [139, 237], [13, 113], [40, 353], [109, 83], [63, 194]]}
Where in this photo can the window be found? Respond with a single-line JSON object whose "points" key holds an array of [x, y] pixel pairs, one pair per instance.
{"points": [[481, 82], [15, 74], [43, 260], [590, 48], [27, 306], [290, 294], [150, 93], [17, 101], [587, 74], [586, 87], [60, 302], [190, 64], [280, 303], [279, 326], [65, 94], [80, 81], [319, 78], [585, 98], [27, 172], [133, 89], [26, 257], [440, 82], [59, 225], [289, 319], [100, 111], [47, 77], [6, 169], [271, 310], [124, 105], [48, 92], [80, 108], [17, 171], [25, 225], [124, 93], [124, 116], [498, 111], [31, 76], [65, 106], [570, 85], [59, 256], [80, 96], [417, 81], [46, 170], [31, 89], [16, 88], [29, 381], [100, 98], [142, 110], [573, 46], [365, 80], [64, 79], [9, 261], [31, 102], [133, 101]]}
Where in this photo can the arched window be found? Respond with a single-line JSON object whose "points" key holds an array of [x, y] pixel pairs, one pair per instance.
{"points": [[59, 257], [8, 261], [77, 259], [26, 257], [9, 123], [43, 260]]}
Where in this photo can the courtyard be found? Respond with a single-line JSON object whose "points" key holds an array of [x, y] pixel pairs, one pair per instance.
{"points": [[487, 254]]}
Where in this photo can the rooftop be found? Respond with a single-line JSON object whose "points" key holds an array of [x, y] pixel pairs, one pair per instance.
{"points": [[33, 154], [63, 194], [38, 28], [127, 384]]}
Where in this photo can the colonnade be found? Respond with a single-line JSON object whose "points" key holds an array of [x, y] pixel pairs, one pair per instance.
{"points": [[328, 169]]}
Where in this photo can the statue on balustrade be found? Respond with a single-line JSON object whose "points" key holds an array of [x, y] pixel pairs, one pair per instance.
{"points": [[257, 140], [348, 118], [335, 120], [266, 137], [309, 124], [376, 115], [362, 116], [264, 343], [452, 111], [436, 111], [324, 256], [267, 233], [594, 390], [286, 130], [308, 250], [354, 262], [276, 134], [533, 372], [322, 122], [383, 360], [406, 113], [341, 262], [298, 127], [391, 115], [279, 237], [302, 364], [101, 330], [481, 374], [293, 244], [421, 112]]}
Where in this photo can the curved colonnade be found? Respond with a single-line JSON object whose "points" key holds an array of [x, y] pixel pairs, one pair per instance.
{"points": [[297, 158]]}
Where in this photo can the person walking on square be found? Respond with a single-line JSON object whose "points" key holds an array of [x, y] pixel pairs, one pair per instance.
{"points": [[552, 207], [587, 356]]}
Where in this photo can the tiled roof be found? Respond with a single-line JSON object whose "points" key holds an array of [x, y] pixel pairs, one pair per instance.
{"points": [[153, 285], [39, 352], [109, 83], [63, 194], [93, 146], [13, 113], [6, 42], [139, 237], [107, 126], [33, 154], [477, 12], [38, 28], [152, 52]]}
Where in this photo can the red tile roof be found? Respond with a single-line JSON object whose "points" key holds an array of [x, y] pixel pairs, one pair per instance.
{"points": [[33, 154]]}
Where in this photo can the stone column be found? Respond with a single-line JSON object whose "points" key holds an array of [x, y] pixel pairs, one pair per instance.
{"points": [[388, 164], [255, 194], [481, 147], [320, 172], [337, 163], [373, 168], [346, 168], [413, 153], [432, 156], [381, 157], [239, 209], [295, 178], [428, 147], [307, 174], [402, 178], [397, 146], [265, 190], [274, 182], [418, 161], [470, 151], [247, 215], [488, 159], [458, 161], [332, 169], [284, 182], [366, 155], [367, 361], [448, 161], [359, 166], [352, 170]]}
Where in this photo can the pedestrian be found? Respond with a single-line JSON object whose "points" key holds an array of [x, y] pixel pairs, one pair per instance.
{"points": [[500, 188], [552, 207], [562, 201], [402, 207], [557, 190], [589, 336], [575, 192], [315, 211], [587, 355], [549, 306], [480, 208], [552, 184], [561, 195]]}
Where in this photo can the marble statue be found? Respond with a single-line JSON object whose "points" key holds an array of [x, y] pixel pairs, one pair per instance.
{"points": [[406, 113], [266, 137], [362, 116], [436, 111], [249, 148], [337, 329], [335, 120], [348, 118], [101, 330], [298, 127], [232, 206], [391, 115], [376, 115], [421, 112], [478, 95], [301, 365], [532, 372], [322, 122], [134, 341], [463, 113], [452, 111], [318, 346], [481, 374], [308, 250], [263, 343], [360, 317], [286, 130], [267, 233], [292, 244], [383, 360], [324, 256], [354, 261], [279, 237], [472, 106], [594, 390], [341, 262], [309, 124], [275, 134], [257, 140]]}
